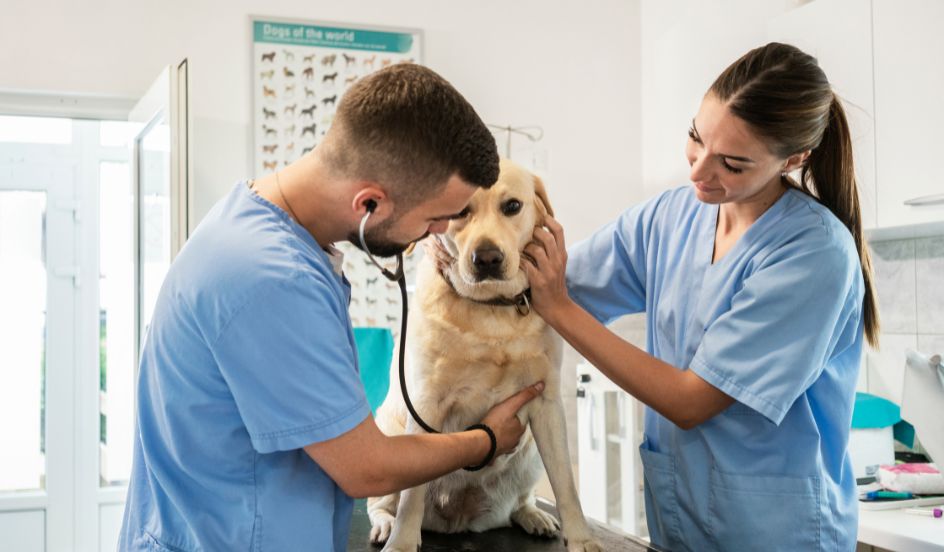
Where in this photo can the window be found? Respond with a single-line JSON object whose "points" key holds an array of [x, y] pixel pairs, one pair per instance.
{"points": [[23, 331]]}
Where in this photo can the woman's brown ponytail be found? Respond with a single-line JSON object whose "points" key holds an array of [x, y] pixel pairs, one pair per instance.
{"points": [[830, 163]]}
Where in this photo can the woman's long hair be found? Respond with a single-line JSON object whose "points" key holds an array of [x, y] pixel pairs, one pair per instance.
{"points": [[782, 93]]}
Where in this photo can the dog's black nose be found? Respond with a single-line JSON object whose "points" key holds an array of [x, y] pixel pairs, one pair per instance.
{"points": [[487, 260]]}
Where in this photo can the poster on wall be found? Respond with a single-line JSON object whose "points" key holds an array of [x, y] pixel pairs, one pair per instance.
{"points": [[300, 71]]}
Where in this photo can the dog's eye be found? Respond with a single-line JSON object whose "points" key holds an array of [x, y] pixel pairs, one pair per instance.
{"points": [[511, 207]]}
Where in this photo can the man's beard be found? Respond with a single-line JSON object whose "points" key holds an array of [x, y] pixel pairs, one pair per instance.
{"points": [[378, 243]]}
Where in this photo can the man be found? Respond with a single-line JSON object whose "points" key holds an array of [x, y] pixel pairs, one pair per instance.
{"points": [[253, 431]]}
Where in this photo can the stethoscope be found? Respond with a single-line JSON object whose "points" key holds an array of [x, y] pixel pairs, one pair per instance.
{"points": [[398, 277]]}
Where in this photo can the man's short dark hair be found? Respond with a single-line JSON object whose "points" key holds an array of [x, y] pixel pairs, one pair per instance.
{"points": [[406, 128]]}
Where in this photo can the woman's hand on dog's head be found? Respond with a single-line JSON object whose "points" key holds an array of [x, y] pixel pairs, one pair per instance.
{"points": [[544, 260], [503, 418]]}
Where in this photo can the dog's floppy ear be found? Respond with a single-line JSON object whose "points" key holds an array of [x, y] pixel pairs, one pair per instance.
{"points": [[543, 204]]}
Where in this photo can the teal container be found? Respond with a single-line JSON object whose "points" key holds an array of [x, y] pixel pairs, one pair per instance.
{"points": [[374, 353], [874, 412]]}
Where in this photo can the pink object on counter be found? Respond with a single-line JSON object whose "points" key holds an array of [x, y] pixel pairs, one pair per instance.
{"points": [[917, 478], [912, 468]]}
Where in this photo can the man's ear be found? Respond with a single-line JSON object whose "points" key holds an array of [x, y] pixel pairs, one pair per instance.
{"points": [[371, 197], [543, 204]]}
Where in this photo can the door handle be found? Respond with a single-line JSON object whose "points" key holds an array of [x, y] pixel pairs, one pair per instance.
{"points": [[934, 199]]}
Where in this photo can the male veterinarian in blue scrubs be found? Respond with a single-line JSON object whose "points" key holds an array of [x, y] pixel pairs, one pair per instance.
{"points": [[757, 294], [253, 431]]}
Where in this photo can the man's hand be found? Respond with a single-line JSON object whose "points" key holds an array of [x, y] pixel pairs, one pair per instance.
{"points": [[503, 419]]}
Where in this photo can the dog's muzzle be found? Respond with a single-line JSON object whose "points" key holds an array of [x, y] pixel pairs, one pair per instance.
{"points": [[487, 262]]}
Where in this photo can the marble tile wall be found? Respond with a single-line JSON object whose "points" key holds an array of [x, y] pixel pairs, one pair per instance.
{"points": [[909, 280]]}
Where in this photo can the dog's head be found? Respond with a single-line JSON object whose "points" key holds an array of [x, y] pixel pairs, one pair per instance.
{"points": [[488, 240]]}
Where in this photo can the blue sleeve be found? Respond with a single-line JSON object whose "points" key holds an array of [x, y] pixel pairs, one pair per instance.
{"points": [[606, 273], [289, 360], [783, 326]]}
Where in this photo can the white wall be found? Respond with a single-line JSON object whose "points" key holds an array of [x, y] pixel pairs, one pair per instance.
{"points": [[685, 46], [571, 68]]}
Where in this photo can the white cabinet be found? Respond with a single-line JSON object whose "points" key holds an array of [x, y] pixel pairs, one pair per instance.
{"points": [[884, 59], [609, 432], [838, 33], [909, 110]]}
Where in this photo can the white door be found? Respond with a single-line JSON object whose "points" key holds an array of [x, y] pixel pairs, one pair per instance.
{"points": [[162, 176], [38, 275], [160, 187]]}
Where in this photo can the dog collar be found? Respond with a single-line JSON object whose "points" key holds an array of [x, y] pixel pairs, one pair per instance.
{"points": [[521, 302]]}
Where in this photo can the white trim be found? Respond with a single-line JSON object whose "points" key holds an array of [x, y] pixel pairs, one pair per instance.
{"points": [[914, 231], [112, 495], [16, 502], [86, 415], [62, 104], [62, 242]]}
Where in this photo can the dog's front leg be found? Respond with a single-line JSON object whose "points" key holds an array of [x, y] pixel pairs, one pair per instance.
{"points": [[550, 434], [406, 535], [382, 513]]}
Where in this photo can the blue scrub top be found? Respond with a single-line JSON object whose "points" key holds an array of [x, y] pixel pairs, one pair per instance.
{"points": [[248, 358], [776, 324]]}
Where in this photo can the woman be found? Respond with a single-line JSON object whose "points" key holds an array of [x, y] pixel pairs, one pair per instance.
{"points": [[757, 291]]}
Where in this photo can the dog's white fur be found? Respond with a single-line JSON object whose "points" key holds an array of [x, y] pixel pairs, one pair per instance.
{"points": [[465, 358]]}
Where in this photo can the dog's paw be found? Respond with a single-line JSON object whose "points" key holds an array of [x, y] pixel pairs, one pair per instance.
{"points": [[402, 543], [381, 527], [584, 545], [405, 548], [536, 521]]}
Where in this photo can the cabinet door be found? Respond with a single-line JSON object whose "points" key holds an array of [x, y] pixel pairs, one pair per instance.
{"points": [[909, 110], [838, 33]]}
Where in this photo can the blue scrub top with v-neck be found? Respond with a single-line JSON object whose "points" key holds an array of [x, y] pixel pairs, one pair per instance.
{"points": [[249, 358], [776, 323]]}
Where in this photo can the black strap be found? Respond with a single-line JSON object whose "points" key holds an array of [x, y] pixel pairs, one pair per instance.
{"points": [[491, 452]]}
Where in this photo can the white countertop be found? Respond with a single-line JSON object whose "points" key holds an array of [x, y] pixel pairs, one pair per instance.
{"points": [[896, 530]]}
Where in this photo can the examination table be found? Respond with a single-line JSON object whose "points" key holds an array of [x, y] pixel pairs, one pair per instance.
{"points": [[509, 539]]}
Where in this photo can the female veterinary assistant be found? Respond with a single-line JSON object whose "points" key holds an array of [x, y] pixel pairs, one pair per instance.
{"points": [[757, 292]]}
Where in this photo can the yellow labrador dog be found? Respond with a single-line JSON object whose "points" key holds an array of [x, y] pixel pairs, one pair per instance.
{"points": [[474, 342]]}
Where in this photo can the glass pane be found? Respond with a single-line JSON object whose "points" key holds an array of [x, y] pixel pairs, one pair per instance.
{"points": [[22, 339], [116, 323], [35, 130], [117, 133], [155, 213]]}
